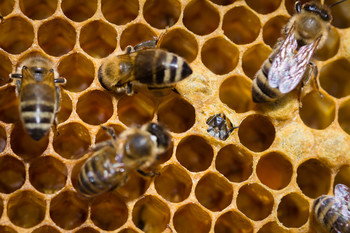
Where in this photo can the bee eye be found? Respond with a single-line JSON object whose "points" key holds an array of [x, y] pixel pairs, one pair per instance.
{"points": [[325, 16], [310, 8]]}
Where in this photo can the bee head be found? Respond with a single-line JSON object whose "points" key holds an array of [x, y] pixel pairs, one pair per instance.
{"points": [[139, 146], [322, 11]]}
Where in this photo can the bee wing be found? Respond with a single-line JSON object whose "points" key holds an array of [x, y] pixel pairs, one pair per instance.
{"points": [[343, 192]]}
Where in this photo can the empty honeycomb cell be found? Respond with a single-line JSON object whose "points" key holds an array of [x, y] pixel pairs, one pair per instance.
{"points": [[342, 176], [173, 183], [272, 29], [135, 186], [223, 2], [38, 9], [293, 210], [201, 17], [256, 132], [8, 105], [72, 141], [17, 35], [127, 230], [191, 218], [46, 229], [161, 13], [194, 153], [214, 192], [6, 229], [331, 46], [241, 25], [274, 170], [333, 78], [7, 7], [219, 55], [135, 34], [272, 227], [237, 88], [78, 70], [95, 107], [98, 39], [5, 69], [264, 7], [120, 12], [317, 111], [26, 209], [253, 58], [135, 110], [65, 108], [115, 207], [79, 10], [255, 201], [86, 230], [234, 163], [176, 114], [47, 174], [233, 221], [102, 135], [3, 139], [150, 214], [12, 174], [313, 178], [20, 140], [341, 18], [56, 37], [180, 42], [68, 210]]}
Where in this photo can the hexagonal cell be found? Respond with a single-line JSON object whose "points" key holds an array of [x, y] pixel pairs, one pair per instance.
{"points": [[72, 141], [47, 174], [340, 17], [17, 35], [3, 139], [65, 108], [200, 220], [135, 110], [343, 116], [232, 221], [214, 192], [135, 34], [68, 210], [219, 55], [109, 203], [223, 2], [330, 48], [173, 183], [255, 201], [79, 10], [7, 229], [161, 13], [313, 178], [9, 105], [194, 153], [333, 78], [272, 227], [98, 39], [256, 132], [20, 140], [102, 135], [237, 87], [95, 107], [180, 42], [78, 70], [272, 29], [176, 114], [5, 69], [120, 12], [26, 209], [87, 230], [201, 17], [127, 230], [343, 176], [264, 7], [12, 174], [56, 37], [293, 210], [46, 229], [7, 7], [274, 170], [317, 112], [253, 58], [241, 25], [151, 214], [38, 9]]}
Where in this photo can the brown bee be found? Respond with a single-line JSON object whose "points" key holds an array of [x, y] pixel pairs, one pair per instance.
{"points": [[220, 126], [145, 64], [333, 213], [134, 149], [38, 94], [290, 61]]}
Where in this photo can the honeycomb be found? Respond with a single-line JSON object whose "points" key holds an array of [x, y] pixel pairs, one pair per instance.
{"points": [[262, 179]]}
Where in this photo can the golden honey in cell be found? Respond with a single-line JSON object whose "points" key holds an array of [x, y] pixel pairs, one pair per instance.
{"points": [[333, 212], [219, 126], [134, 149], [38, 93], [290, 62], [144, 64]]}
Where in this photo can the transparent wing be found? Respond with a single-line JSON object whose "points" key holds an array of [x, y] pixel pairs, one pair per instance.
{"points": [[343, 192]]}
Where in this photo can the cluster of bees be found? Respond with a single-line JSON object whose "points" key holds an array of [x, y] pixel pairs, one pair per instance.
{"points": [[289, 64]]}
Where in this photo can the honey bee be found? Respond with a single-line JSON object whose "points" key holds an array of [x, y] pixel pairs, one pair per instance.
{"points": [[144, 64], [134, 149], [220, 126], [333, 213], [38, 92], [290, 61]]}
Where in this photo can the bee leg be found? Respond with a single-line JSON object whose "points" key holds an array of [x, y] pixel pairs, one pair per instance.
{"points": [[110, 131], [315, 71], [2, 19], [148, 174], [128, 89], [297, 6], [60, 81], [129, 49], [212, 118], [150, 43]]}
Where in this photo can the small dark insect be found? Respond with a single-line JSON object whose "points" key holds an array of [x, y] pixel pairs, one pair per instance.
{"points": [[220, 126], [333, 212]]}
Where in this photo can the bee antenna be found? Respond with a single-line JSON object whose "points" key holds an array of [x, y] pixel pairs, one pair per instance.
{"points": [[334, 4]]}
